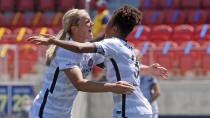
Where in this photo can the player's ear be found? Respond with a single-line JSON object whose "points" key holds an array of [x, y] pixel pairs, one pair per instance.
{"points": [[115, 29], [74, 28]]}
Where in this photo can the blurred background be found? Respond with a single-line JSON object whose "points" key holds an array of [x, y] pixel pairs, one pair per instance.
{"points": [[174, 33]]}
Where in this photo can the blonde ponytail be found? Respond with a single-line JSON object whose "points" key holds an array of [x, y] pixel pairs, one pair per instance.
{"points": [[70, 18], [50, 54]]}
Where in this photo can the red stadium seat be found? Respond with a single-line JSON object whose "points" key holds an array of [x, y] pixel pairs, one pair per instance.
{"points": [[5, 35], [17, 20], [143, 47], [24, 5], [183, 33], [206, 4], [161, 33], [139, 33], [56, 21], [188, 60], [175, 17], [197, 16], [92, 4], [28, 56], [38, 20], [2, 20], [46, 4], [43, 30], [21, 34], [6, 5], [165, 56], [202, 33], [170, 3], [205, 58], [148, 4], [152, 17], [191, 3], [66, 4]]}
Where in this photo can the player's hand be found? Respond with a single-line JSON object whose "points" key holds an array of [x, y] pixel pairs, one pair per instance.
{"points": [[122, 87], [42, 39], [158, 71]]}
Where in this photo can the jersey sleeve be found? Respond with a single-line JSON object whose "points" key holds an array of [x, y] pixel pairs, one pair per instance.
{"points": [[98, 58], [67, 59], [106, 47]]}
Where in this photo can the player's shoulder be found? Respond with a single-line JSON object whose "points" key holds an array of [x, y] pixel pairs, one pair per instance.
{"points": [[66, 53], [111, 41]]}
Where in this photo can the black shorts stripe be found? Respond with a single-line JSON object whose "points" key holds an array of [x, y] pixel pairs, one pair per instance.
{"points": [[41, 110], [119, 79]]}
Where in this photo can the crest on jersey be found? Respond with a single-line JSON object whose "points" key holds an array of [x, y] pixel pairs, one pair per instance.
{"points": [[90, 62]]}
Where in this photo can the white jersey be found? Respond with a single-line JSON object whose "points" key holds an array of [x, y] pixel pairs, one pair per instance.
{"points": [[121, 64], [146, 83], [58, 93]]}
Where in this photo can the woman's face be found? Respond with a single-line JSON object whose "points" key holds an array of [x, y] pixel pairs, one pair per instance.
{"points": [[85, 26]]}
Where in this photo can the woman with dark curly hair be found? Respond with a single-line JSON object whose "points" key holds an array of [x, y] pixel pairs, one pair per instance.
{"points": [[120, 61]]}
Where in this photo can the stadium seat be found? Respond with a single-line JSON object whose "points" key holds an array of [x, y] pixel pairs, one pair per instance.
{"points": [[46, 4], [17, 20], [197, 17], [92, 4], [161, 33], [28, 56], [2, 20], [166, 56], [148, 4], [202, 33], [5, 35], [205, 58], [66, 4], [139, 33], [21, 34], [43, 30], [10, 58], [6, 6], [191, 3], [56, 21], [144, 48], [206, 4], [152, 17], [170, 4], [188, 58], [25, 5], [38, 20], [183, 33], [175, 17]]}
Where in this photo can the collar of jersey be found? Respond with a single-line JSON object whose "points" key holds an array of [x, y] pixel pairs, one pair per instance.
{"points": [[120, 39]]}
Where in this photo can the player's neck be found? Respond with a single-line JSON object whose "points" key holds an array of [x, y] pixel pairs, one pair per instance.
{"points": [[78, 39]]}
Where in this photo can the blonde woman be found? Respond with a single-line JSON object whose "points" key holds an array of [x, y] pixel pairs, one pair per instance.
{"points": [[66, 70]]}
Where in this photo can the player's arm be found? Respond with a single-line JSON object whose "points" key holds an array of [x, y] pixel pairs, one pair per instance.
{"points": [[47, 39], [76, 46], [156, 93], [154, 70], [75, 76]]}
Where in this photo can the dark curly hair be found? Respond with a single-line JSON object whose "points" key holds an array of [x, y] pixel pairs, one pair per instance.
{"points": [[126, 18]]}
